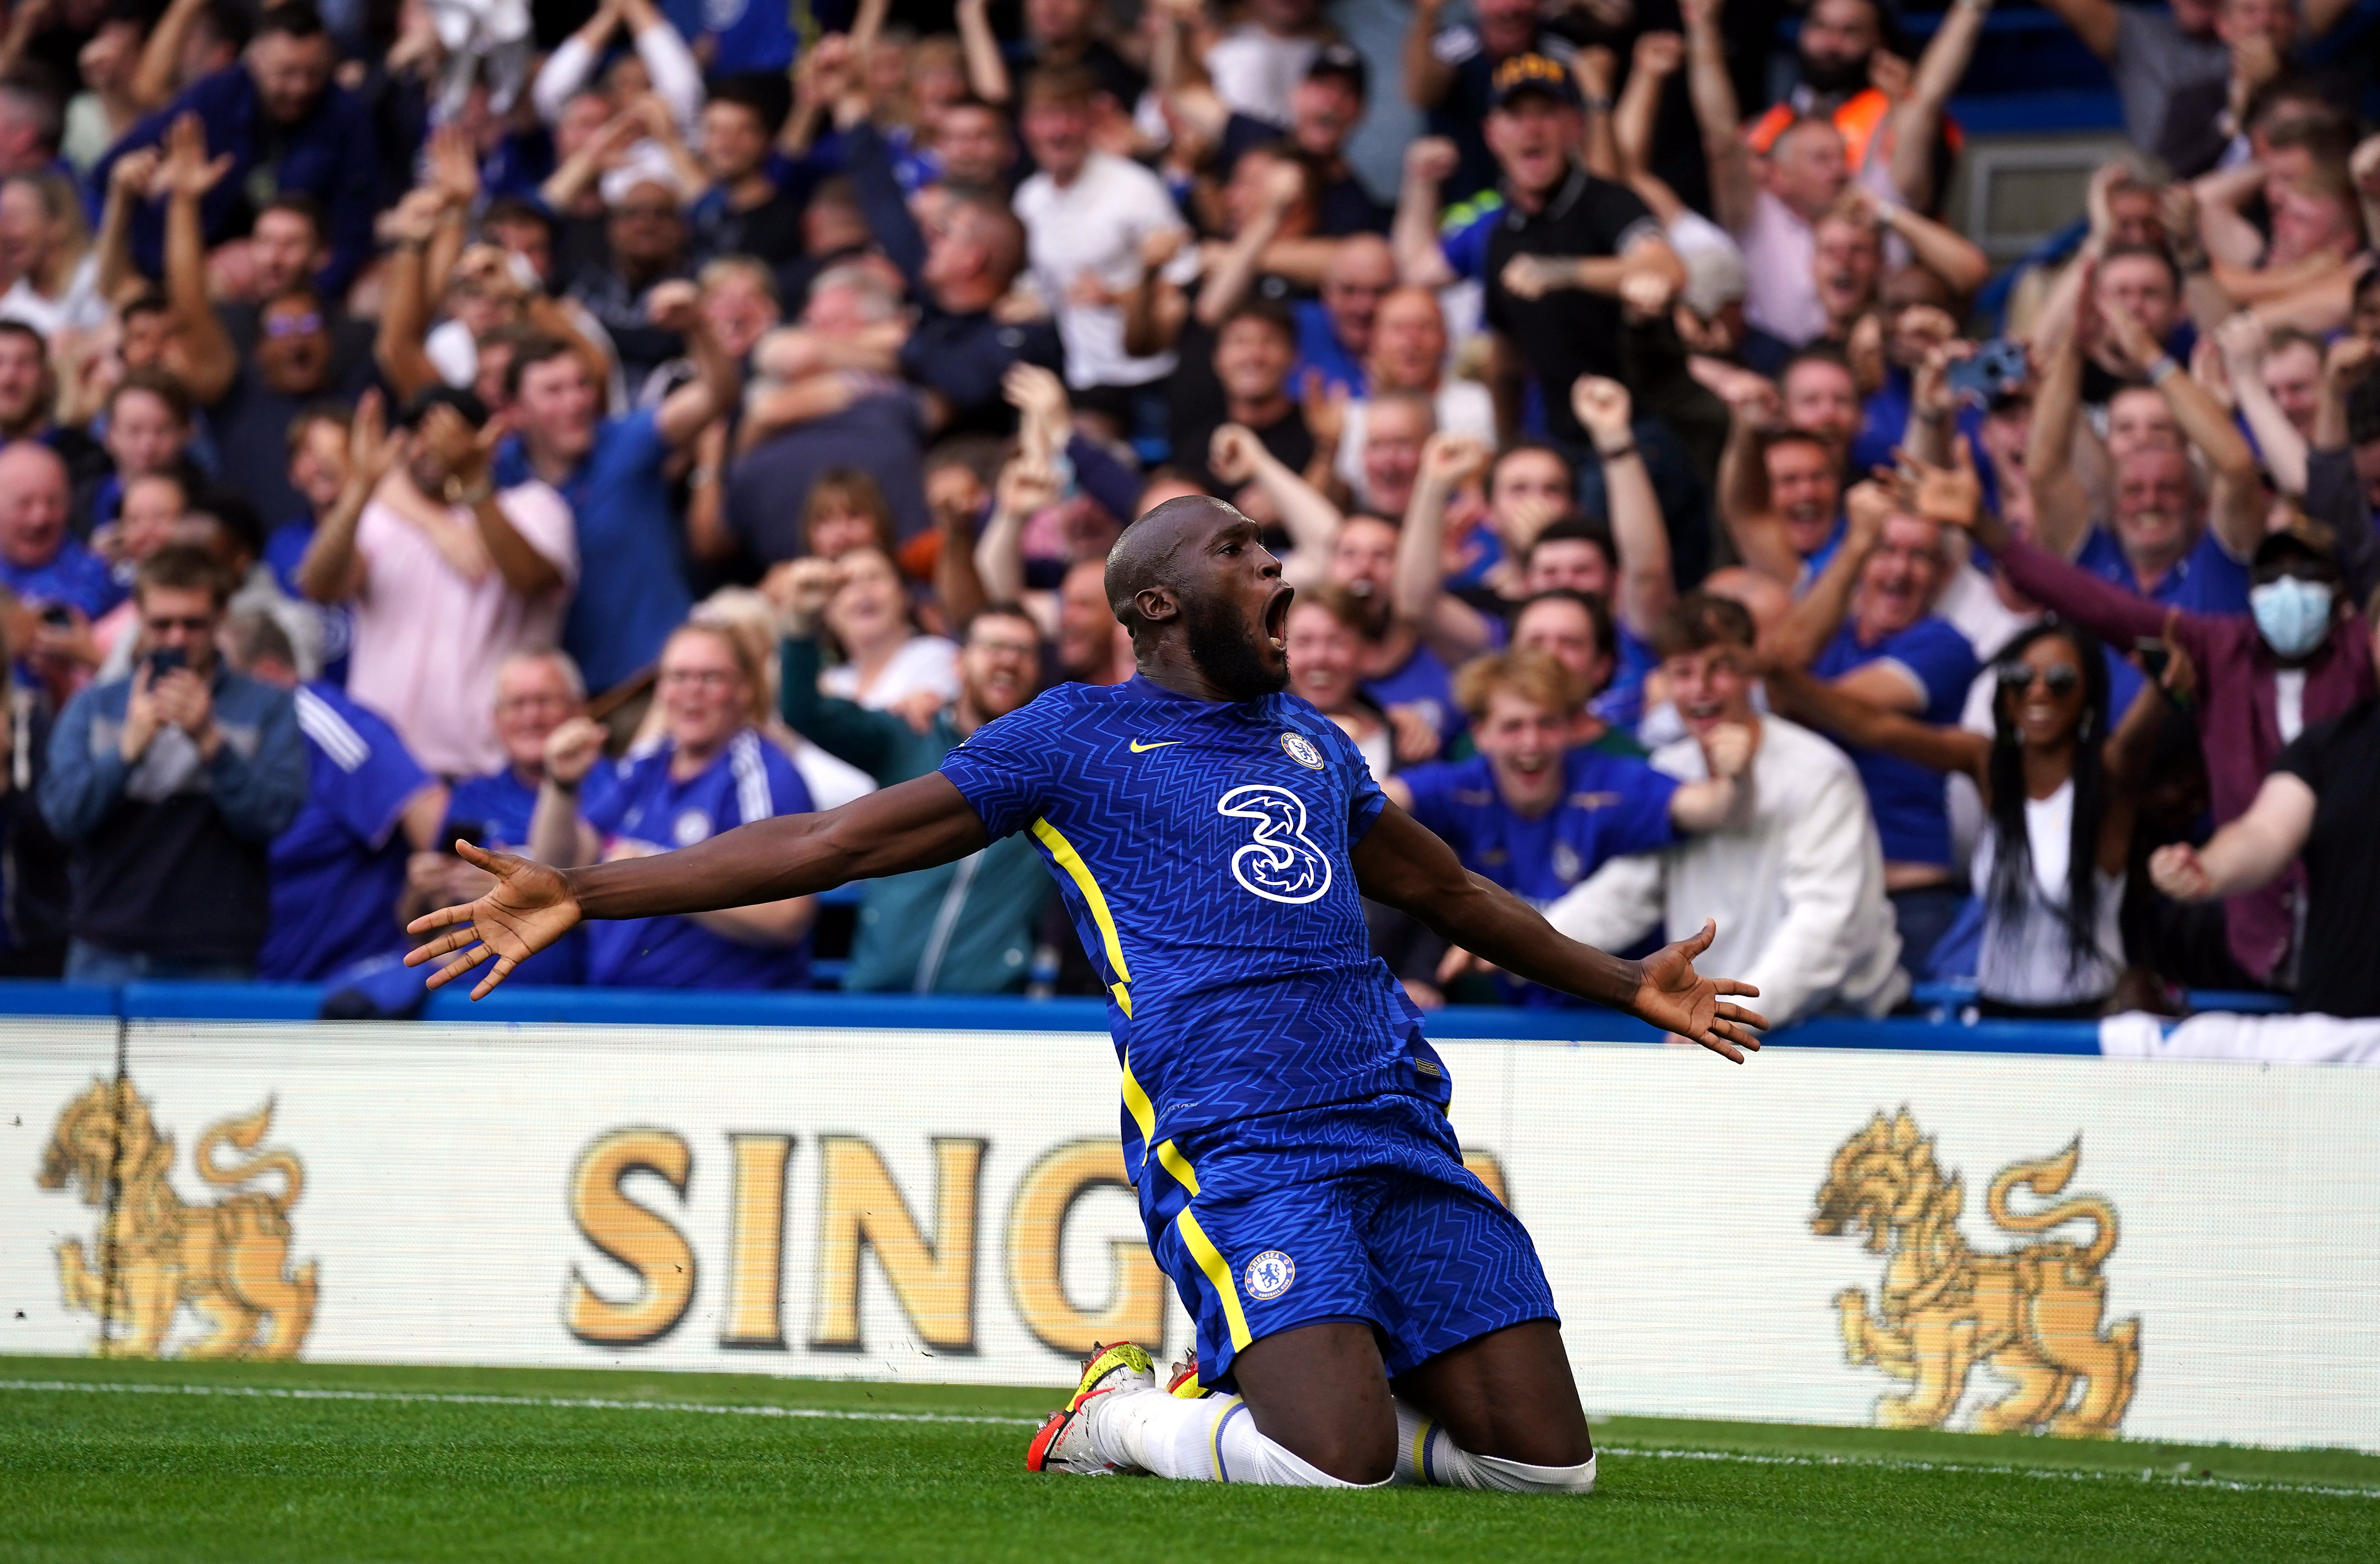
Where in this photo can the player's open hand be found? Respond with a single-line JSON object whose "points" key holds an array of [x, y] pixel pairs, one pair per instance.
{"points": [[530, 907], [1677, 998]]}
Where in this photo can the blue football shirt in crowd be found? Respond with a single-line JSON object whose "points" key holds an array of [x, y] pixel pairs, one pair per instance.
{"points": [[1319, 349], [337, 872], [749, 36], [74, 575], [1909, 800], [1203, 850], [1611, 806], [634, 801], [2205, 580], [632, 592], [499, 807], [1424, 680]]}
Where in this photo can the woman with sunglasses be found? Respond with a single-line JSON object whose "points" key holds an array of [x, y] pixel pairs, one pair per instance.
{"points": [[2049, 865]]}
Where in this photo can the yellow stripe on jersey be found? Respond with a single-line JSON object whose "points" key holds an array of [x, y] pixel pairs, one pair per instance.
{"points": [[1170, 1158], [1144, 1112], [1218, 1275], [1062, 853]]}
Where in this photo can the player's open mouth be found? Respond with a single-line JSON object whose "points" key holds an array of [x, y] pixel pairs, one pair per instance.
{"points": [[1276, 618]]}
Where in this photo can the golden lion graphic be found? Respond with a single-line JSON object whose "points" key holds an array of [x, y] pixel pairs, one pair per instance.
{"points": [[2032, 1314], [229, 1261]]}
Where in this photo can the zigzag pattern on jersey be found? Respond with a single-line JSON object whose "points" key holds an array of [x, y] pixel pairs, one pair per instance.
{"points": [[1371, 1205], [1230, 995]]}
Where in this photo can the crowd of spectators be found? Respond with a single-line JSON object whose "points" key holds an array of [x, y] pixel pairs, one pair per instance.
{"points": [[579, 430]]}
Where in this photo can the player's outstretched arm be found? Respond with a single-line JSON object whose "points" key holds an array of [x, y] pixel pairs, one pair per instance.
{"points": [[912, 825], [1401, 863]]}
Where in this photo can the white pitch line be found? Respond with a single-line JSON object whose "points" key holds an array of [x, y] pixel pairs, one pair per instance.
{"points": [[597, 1403]]}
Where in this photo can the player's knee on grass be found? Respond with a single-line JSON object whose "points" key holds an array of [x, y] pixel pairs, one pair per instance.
{"points": [[1320, 1392], [1428, 1456], [1364, 1456]]}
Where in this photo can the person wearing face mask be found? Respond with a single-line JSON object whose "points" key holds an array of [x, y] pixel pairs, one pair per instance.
{"points": [[2311, 815], [2295, 659]]}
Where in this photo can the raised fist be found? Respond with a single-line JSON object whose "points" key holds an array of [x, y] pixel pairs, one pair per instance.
{"points": [[1603, 407], [572, 749], [674, 305], [1727, 749], [1433, 158]]}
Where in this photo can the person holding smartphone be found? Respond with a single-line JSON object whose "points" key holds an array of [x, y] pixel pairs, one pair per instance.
{"points": [[167, 785]]}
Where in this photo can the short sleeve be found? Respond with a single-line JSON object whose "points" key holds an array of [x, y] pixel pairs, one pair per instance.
{"points": [[1640, 823], [542, 519], [1621, 218], [370, 777], [1941, 661], [2307, 757], [1464, 245], [604, 799], [1003, 770], [637, 442]]}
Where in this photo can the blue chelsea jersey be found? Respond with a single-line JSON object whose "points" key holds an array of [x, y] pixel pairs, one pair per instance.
{"points": [[339, 871], [499, 807], [1203, 849], [636, 804]]}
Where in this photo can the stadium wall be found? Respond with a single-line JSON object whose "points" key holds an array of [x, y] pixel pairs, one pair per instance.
{"points": [[2160, 1250]]}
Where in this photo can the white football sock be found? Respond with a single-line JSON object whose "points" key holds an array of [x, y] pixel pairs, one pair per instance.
{"points": [[1429, 1457], [1212, 1439]]}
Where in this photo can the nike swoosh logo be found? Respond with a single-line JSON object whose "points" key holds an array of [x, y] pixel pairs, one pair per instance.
{"points": [[1140, 748]]}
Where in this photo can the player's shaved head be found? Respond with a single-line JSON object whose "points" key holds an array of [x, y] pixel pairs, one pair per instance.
{"points": [[1203, 600], [1144, 556]]}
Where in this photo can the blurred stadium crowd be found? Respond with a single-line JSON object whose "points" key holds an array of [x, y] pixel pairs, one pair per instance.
{"points": [[584, 431]]}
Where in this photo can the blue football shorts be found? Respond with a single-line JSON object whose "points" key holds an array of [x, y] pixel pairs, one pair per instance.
{"points": [[1356, 1210]]}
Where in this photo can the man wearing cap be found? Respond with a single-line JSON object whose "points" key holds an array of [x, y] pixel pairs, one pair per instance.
{"points": [[2297, 659], [1450, 73], [1557, 253]]}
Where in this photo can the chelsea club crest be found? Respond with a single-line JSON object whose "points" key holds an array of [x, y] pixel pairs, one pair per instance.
{"points": [[1301, 749], [1268, 1275]]}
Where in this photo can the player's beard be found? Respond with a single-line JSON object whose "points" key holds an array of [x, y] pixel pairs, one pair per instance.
{"points": [[1225, 650]]}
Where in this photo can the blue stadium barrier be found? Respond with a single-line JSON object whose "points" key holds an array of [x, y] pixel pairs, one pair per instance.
{"points": [[301, 1002]]}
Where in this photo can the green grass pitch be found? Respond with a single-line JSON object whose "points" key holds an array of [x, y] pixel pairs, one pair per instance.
{"points": [[104, 1461]]}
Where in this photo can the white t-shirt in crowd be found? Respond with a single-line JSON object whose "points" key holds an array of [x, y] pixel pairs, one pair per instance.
{"points": [[428, 638], [2028, 960], [924, 663], [1780, 252], [1253, 71], [1798, 889], [81, 308], [1095, 225]]}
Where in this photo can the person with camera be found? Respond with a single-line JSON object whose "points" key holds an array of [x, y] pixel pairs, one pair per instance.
{"points": [[167, 786]]}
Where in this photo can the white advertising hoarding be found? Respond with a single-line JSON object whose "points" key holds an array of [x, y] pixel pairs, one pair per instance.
{"points": [[2161, 1250]]}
